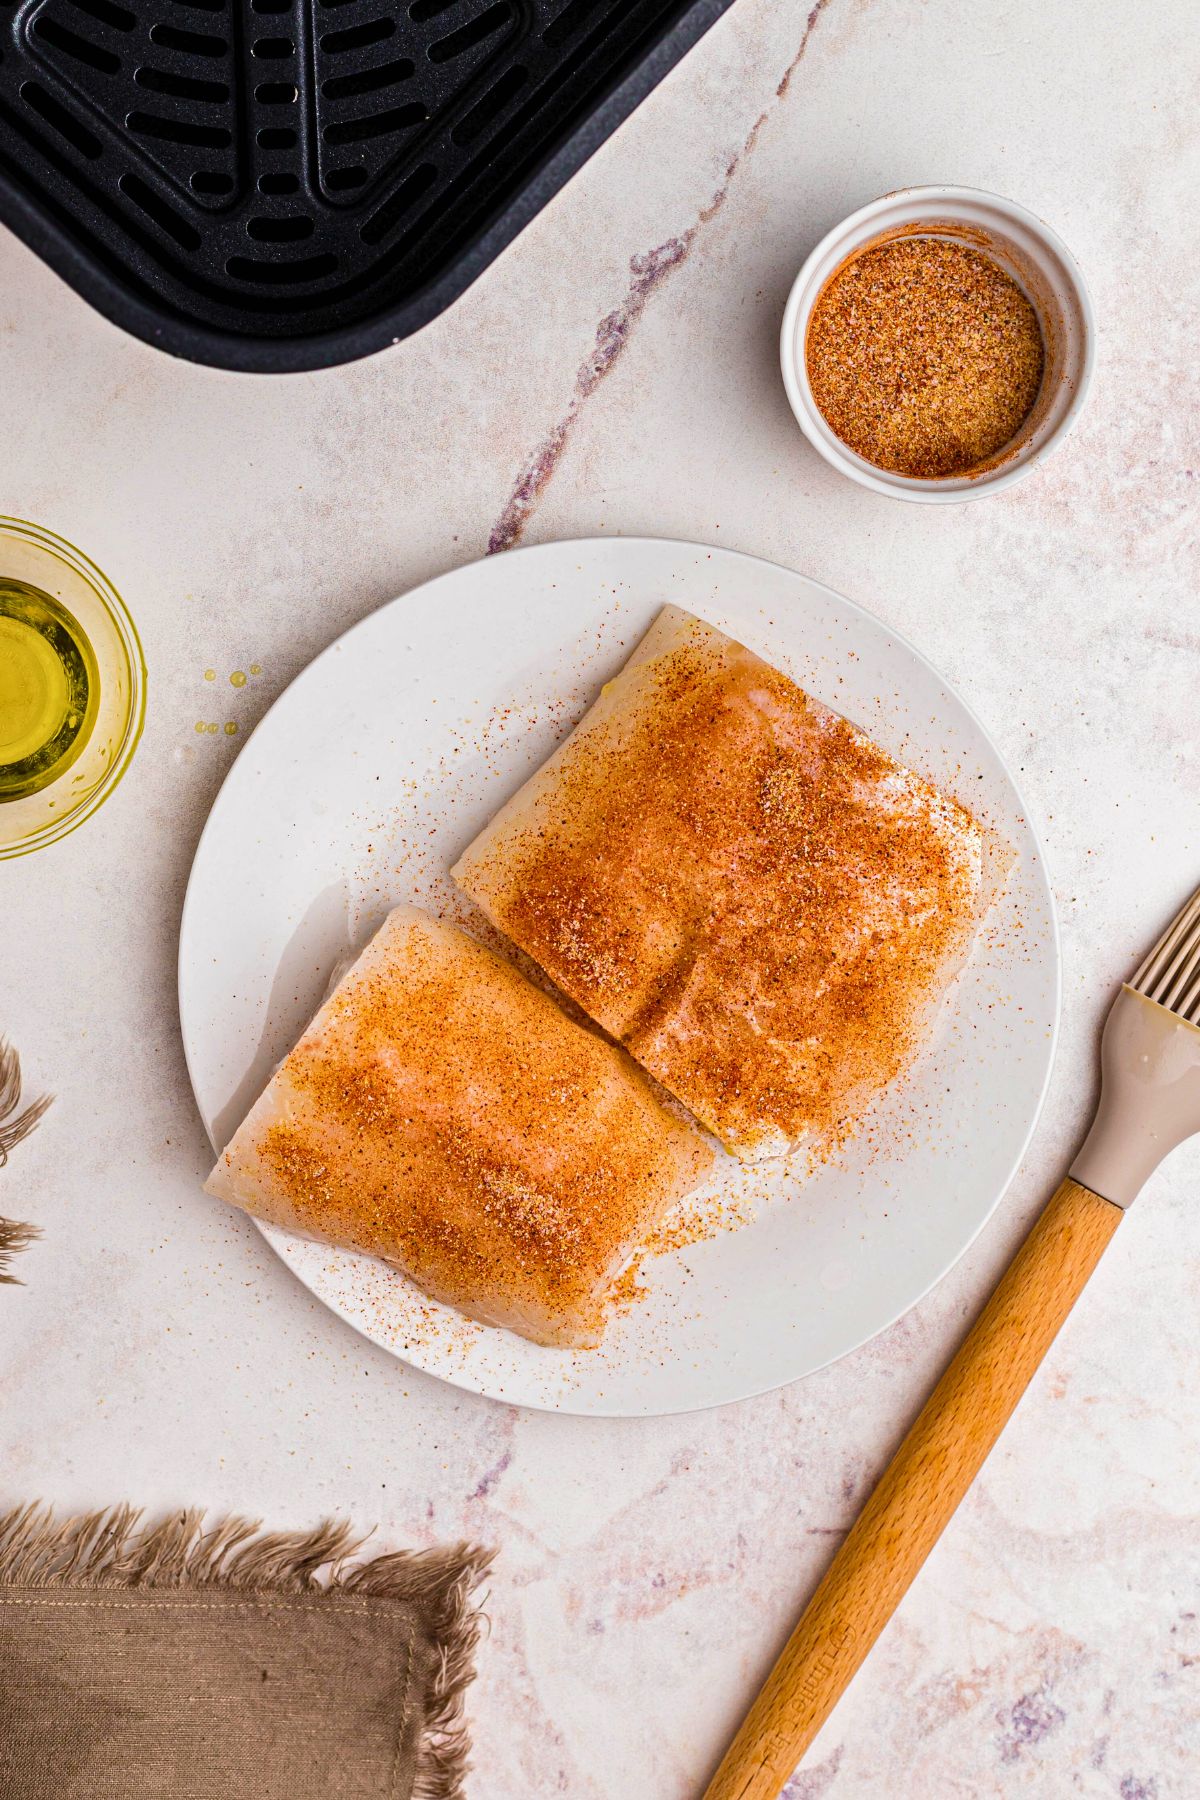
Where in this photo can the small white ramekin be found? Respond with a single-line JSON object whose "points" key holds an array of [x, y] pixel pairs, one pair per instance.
{"points": [[1037, 259]]}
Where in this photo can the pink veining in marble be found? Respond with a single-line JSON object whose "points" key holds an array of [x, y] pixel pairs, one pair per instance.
{"points": [[647, 272]]}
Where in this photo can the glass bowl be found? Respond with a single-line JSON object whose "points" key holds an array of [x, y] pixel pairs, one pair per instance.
{"points": [[37, 558]]}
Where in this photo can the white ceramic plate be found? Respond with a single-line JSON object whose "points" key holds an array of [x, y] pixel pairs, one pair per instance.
{"points": [[386, 756]]}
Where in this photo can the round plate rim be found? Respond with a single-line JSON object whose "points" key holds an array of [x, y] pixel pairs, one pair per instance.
{"points": [[597, 1409]]}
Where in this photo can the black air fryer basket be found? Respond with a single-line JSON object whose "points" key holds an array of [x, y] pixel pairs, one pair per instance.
{"points": [[288, 184]]}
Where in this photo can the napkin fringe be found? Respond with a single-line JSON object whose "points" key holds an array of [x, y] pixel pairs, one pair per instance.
{"points": [[110, 1548], [15, 1127], [14, 1236]]}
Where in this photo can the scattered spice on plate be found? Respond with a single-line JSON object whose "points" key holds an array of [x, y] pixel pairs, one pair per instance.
{"points": [[924, 356]]}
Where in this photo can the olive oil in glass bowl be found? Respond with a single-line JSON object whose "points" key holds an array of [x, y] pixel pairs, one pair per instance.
{"points": [[72, 687]]}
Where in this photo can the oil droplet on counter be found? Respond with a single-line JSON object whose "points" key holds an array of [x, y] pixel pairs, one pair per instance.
{"points": [[212, 727], [230, 728], [210, 674], [199, 724], [238, 678], [256, 668]]}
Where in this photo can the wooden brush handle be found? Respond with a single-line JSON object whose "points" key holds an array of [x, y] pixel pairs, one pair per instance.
{"points": [[918, 1492]]}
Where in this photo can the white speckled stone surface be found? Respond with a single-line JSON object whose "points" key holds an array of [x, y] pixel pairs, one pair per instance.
{"points": [[649, 1570]]}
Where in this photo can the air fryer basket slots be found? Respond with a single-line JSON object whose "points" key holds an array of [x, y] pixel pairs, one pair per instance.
{"points": [[282, 184]]}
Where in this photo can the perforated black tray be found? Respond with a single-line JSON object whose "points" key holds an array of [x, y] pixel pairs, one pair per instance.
{"points": [[288, 184]]}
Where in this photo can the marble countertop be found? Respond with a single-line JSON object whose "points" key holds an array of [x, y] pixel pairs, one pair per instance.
{"points": [[615, 371]]}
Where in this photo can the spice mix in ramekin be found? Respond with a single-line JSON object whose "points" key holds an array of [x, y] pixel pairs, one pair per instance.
{"points": [[937, 343]]}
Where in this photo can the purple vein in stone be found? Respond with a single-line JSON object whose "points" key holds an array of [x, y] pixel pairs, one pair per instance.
{"points": [[647, 273]]}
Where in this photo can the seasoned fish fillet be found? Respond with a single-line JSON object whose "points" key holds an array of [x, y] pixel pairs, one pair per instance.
{"points": [[444, 1114], [740, 886]]}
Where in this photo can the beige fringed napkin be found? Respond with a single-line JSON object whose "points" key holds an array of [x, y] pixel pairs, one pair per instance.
{"points": [[184, 1664]]}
